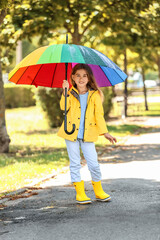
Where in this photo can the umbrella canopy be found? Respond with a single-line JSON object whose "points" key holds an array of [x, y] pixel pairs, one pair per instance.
{"points": [[46, 66]]}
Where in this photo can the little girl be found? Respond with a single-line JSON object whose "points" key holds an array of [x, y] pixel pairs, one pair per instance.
{"points": [[85, 110]]}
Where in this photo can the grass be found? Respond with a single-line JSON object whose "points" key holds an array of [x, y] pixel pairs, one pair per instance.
{"points": [[154, 110], [137, 109], [148, 95], [36, 150], [16, 171]]}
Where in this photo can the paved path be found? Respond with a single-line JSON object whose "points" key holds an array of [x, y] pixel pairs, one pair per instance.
{"points": [[130, 174]]}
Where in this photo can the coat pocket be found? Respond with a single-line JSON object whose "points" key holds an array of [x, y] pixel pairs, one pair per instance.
{"points": [[92, 130], [92, 124]]}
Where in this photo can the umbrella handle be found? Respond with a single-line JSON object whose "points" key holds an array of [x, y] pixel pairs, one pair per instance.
{"points": [[65, 117]]}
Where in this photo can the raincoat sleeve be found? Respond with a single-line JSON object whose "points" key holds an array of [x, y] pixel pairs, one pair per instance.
{"points": [[62, 102], [99, 115]]}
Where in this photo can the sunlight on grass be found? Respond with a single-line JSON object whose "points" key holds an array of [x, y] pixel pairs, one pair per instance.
{"points": [[35, 149], [25, 120], [28, 126], [136, 109], [17, 171], [19, 174]]}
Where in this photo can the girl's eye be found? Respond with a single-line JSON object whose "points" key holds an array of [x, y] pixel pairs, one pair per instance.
{"points": [[84, 76]]}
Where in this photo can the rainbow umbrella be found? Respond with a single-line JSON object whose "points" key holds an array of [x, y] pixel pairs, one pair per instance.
{"points": [[48, 66]]}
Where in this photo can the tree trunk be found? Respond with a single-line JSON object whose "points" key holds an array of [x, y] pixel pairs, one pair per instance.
{"points": [[158, 63], [18, 52], [3, 13], [114, 91], [125, 84], [4, 137], [144, 90], [76, 37]]}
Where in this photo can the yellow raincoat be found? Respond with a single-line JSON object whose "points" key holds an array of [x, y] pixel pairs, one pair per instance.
{"points": [[94, 117]]}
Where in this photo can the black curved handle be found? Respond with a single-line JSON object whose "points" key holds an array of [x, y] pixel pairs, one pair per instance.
{"points": [[73, 129], [65, 117]]}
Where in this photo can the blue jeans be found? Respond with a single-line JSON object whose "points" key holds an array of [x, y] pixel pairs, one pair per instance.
{"points": [[90, 155]]}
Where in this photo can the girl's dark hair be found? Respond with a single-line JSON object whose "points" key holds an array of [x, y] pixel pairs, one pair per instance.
{"points": [[92, 81]]}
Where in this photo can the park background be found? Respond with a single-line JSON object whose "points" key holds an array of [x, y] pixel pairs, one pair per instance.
{"points": [[126, 31]]}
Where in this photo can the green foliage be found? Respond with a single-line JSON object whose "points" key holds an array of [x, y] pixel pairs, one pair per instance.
{"points": [[151, 75], [5, 4], [18, 96], [80, 19], [137, 29], [8, 39], [28, 47], [136, 109], [49, 100], [107, 104]]}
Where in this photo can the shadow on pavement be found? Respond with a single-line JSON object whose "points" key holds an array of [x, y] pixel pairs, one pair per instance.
{"points": [[128, 153]]}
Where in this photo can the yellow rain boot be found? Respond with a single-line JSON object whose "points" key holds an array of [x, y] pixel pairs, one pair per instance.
{"points": [[99, 193], [81, 197]]}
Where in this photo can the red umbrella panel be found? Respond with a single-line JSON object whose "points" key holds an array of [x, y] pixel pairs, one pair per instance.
{"points": [[46, 75]]}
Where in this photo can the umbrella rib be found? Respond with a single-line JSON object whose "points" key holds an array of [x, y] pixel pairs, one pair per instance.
{"points": [[22, 74], [53, 74], [36, 74], [119, 76]]}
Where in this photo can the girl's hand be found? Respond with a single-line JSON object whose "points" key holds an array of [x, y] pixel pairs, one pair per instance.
{"points": [[110, 138], [65, 85]]}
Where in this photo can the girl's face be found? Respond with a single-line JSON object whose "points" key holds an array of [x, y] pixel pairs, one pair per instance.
{"points": [[80, 78]]}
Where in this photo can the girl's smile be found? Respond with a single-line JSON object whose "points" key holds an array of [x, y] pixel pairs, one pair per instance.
{"points": [[81, 80]]}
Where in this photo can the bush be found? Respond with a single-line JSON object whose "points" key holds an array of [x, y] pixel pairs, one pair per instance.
{"points": [[107, 104], [49, 99], [18, 96]]}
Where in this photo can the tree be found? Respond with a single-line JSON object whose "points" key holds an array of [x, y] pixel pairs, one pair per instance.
{"points": [[8, 39], [48, 19], [4, 137], [83, 20], [148, 43], [152, 33], [131, 27]]}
